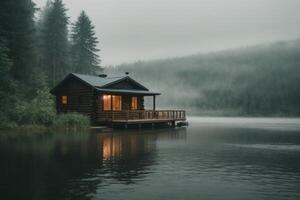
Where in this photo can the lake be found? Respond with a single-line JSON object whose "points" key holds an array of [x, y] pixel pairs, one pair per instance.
{"points": [[212, 158]]}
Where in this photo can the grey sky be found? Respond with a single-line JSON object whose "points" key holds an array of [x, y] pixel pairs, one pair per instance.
{"points": [[131, 30]]}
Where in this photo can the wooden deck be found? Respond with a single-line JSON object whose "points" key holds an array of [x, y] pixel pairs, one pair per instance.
{"points": [[142, 116]]}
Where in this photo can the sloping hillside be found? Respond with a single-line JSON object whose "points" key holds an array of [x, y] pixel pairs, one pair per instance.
{"points": [[260, 80]]}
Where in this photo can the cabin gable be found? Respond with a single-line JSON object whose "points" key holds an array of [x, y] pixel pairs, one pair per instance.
{"points": [[73, 95], [125, 84], [72, 86], [69, 84]]}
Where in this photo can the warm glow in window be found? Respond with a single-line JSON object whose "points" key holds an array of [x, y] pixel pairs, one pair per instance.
{"points": [[117, 103], [106, 102], [64, 100], [134, 103]]}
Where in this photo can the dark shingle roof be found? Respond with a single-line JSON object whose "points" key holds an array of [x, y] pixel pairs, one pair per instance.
{"points": [[102, 84], [141, 92], [97, 81]]}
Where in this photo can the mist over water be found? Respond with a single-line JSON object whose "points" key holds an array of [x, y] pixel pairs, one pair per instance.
{"points": [[213, 158], [261, 80]]}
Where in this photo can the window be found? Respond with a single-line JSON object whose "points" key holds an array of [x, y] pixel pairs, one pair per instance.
{"points": [[117, 103], [64, 100], [134, 103], [106, 102], [115, 100]]}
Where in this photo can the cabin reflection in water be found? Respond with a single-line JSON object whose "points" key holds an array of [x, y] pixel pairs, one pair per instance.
{"points": [[77, 164], [111, 147], [130, 146]]}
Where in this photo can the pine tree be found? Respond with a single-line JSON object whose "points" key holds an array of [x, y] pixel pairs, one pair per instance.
{"points": [[18, 30], [6, 83], [55, 42], [40, 27], [84, 46]]}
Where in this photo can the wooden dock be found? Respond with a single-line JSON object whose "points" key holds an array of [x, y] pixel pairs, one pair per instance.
{"points": [[140, 117]]}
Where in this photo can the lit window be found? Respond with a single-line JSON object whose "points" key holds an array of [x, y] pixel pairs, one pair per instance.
{"points": [[106, 102], [64, 100], [134, 103], [117, 103]]}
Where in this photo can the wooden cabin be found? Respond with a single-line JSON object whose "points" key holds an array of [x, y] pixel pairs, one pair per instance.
{"points": [[111, 100]]}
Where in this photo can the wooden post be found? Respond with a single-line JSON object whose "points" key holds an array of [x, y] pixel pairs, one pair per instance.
{"points": [[111, 103], [173, 123], [154, 102], [111, 108]]}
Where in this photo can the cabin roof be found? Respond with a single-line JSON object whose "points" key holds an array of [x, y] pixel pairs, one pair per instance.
{"points": [[103, 84], [142, 92], [97, 81]]}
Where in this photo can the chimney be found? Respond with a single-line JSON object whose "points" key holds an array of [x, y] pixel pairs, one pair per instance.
{"points": [[102, 75]]}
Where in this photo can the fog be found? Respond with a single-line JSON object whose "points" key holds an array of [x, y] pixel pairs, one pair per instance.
{"points": [[134, 30], [261, 80]]}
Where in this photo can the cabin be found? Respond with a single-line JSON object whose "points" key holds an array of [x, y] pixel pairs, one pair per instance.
{"points": [[111, 101]]}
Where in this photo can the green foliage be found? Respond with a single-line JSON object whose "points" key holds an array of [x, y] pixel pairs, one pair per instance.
{"points": [[5, 62], [260, 80], [38, 111], [35, 55], [6, 85], [17, 29], [71, 121], [55, 45], [84, 46]]}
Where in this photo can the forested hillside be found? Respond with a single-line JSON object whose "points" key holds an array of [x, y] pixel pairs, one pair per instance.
{"points": [[261, 80], [39, 46], [36, 51]]}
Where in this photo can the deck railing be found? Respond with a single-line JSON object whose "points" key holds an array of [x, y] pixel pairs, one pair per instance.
{"points": [[142, 115]]}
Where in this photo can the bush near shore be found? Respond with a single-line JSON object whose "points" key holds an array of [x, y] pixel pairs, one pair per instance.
{"points": [[39, 113], [71, 121]]}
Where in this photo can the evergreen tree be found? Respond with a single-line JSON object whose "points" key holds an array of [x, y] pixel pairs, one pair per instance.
{"points": [[84, 46], [40, 27], [55, 42], [6, 83], [17, 29]]}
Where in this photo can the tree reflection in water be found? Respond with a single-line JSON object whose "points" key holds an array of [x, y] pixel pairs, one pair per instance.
{"points": [[75, 165]]}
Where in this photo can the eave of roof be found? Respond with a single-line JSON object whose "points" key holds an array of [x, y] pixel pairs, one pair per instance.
{"points": [[97, 81], [120, 91], [100, 84]]}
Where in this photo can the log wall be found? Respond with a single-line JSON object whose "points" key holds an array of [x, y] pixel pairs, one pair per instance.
{"points": [[101, 115], [80, 98]]}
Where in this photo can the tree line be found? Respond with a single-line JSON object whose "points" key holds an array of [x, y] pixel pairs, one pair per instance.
{"points": [[36, 51], [263, 80]]}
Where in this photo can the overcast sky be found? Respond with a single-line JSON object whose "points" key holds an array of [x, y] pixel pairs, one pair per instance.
{"points": [[131, 30]]}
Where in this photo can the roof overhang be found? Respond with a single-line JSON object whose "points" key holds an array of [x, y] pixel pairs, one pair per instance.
{"points": [[120, 91], [143, 91]]}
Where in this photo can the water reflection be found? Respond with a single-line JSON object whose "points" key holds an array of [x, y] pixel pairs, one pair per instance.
{"points": [[127, 157], [74, 165], [205, 160]]}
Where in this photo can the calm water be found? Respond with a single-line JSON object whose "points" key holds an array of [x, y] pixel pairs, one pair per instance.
{"points": [[213, 158]]}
